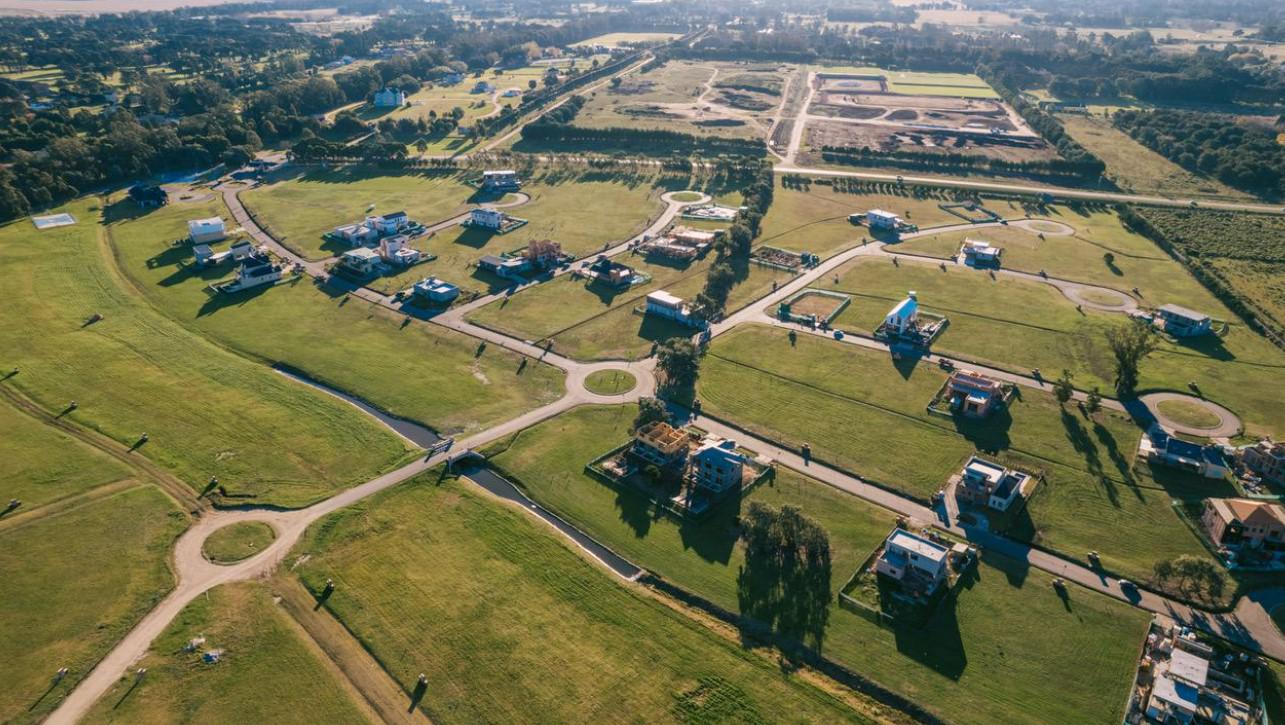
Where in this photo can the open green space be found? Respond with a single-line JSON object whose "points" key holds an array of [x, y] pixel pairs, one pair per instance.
{"points": [[687, 196], [1019, 325], [1135, 167], [266, 672], [987, 657], [75, 582], [238, 541], [582, 212], [433, 577], [1188, 413], [916, 83], [610, 382], [423, 372], [40, 464], [298, 211], [207, 412], [864, 412], [816, 220]]}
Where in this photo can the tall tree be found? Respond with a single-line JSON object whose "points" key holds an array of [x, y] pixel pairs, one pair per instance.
{"points": [[1130, 343], [678, 360]]}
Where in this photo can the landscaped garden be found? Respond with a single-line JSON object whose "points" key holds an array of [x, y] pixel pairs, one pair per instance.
{"points": [[435, 578], [249, 664], [964, 665], [75, 582], [207, 412]]}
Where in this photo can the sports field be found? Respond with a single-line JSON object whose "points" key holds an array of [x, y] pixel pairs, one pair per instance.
{"points": [[912, 83], [40, 464], [266, 672], [74, 583], [207, 412], [434, 577], [963, 666]]}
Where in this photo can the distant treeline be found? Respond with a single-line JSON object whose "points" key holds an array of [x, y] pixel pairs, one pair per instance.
{"points": [[952, 160]]}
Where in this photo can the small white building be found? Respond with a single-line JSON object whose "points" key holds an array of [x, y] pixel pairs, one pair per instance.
{"points": [[397, 250], [204, 231], [1183, 322], [389, 223], [664, 304], [914, 561], [485, 217], [436, 291], [880, 219], [978, 253], [360, 260], [500, 180], [716, 465], [904, 317], [389, 98], [358, 234], [255, 272]]}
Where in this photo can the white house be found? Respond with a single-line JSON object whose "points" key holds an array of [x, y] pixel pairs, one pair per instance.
{"points": [[980, 254], [389, 223], [360, 260], [1182, 322], [436, 291], [880, 219], [1160, 447], [486, 217], [904, 317], [204, 231], [913, 560], [664, 304], [985, 483], [389, 98], [203, 254], [254, 272], [358, 234], [500, 180], [395, 250], [716, 465], [1175, 691]]}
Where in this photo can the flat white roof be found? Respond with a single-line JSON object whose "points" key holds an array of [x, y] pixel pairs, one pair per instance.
{"points": [[1175, 692], [362, 253], [661, 297], [1190, 667], [907, 541], [991, 471], [202, 224]]}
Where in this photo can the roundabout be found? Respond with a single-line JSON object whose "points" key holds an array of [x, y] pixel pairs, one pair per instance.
{"points": [[1191, 415]]}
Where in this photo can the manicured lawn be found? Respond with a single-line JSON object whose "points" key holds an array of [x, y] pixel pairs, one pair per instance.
{"points": [[266, 673], [1020, 325], [74, 583], [236, 542], [510, 624], [298, 211], [206, 411], [848, 403], [989, 658], [1188, 413], [40, 464], [610, 382], [419, 371], [687, 196], [817, 220]]}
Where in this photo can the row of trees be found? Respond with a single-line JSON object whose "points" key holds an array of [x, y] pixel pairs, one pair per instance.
{"points": [[863, 156]]}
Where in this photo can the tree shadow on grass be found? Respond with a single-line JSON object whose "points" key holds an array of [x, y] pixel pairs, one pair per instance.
{"points": [[989, 434], [474, 237], [789, 596], [223, 300], [713, 537], [1080, 441], [1210, 346], [937, 644], [123, 210]]}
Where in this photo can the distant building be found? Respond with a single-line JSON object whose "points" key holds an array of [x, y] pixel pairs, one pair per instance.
{"points": [[1158, 446], [918, 564], [663, 304], [397, 250], [716, 465], [1182, 322], [436, 291], [204, 231], [360, 260], [983, 483], [904, 317], [514, 268], [484, 217], [1266, 459], [389, 98], [451, 79], [974, 395], [660, 444], [147, 195], [483, 87], [1237, 522], [692, 237], [511, 92], [981, 254], [500, 180], [879, 219]]}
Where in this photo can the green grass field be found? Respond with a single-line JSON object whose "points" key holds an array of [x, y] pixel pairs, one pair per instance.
{"points": [[848, 403], [1137, 168], [206, 411], [75, 582], [297, 212], [610, 382], [989, 658], [817, 220], [615, 40], [238, 541], [433, 577], [266, 674], [39, 464], [913, 83], [1020, 325], [422, 372]]}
